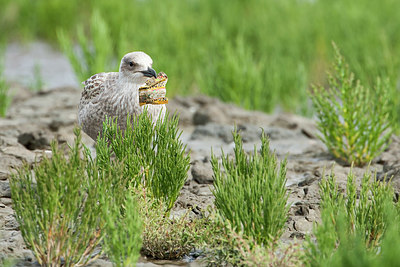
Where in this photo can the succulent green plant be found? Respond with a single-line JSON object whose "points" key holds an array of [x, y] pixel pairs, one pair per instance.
{"points": [[153, 154], [67, 205], [123, 228], [251, 191], [5, 97], [37, 83], [57, 206], [354, 120], [354, 224]]}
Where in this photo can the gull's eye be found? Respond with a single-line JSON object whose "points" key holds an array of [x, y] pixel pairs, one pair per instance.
{"points": [[131, 64]]}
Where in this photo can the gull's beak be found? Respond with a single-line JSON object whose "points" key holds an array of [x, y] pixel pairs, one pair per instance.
{"points": [[149, 72]]}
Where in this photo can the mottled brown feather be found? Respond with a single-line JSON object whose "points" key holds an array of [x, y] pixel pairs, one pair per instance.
{"points": [[96, 85]]}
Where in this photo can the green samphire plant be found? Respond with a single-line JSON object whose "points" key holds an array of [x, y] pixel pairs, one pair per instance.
{"points": [[357, 228], [67, 204], [153, 154], [354, 120], [57, 206], [250, 193], [123, 227], [5, 97]]}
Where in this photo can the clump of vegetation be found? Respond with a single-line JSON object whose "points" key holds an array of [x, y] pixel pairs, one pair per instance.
{"points": [[355, 225], [259, 207], [69, 203], [5, 98], [171, 237], [355, 121], [123, 227], [155, 164], [95, 54], [154, 156], [234, 73], [57, 205], [249, 224], [37, 83]]}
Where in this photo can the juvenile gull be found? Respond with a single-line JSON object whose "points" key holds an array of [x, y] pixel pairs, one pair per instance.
{"points": [[116, 94]]}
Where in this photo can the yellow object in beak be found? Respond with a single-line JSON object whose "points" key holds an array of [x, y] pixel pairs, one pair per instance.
{"points": [[154, 92]]}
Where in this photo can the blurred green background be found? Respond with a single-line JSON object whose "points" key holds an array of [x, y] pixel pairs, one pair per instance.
{"points": [[260, 54]]}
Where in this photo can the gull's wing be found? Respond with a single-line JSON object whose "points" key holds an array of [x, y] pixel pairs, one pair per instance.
{"points": [[96, 85]]}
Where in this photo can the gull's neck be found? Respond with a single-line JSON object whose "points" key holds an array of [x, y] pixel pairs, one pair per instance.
{"points": [[127, 85], [126, 95]]}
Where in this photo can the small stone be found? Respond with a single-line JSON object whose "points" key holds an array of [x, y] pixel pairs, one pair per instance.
{"points": [[207, 115], [5, 190], [6, 201], [202, 172], [302, 225]]}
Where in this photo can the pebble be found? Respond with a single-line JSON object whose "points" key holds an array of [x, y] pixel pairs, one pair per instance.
{"points": [[202, 172], [207, 115], [5, 190]]}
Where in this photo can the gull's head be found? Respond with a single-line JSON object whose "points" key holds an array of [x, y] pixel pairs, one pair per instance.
{"points": [[137, 66]]}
